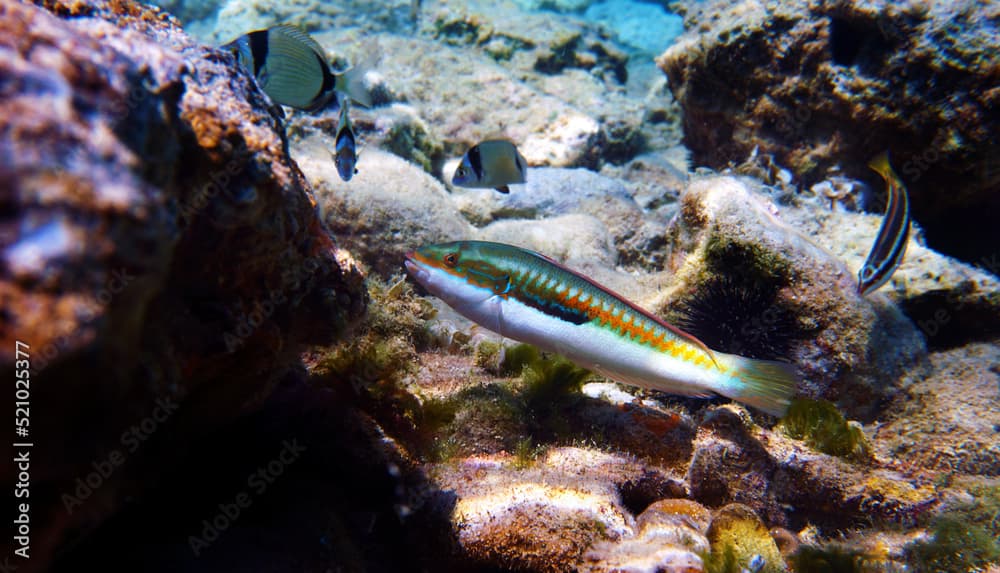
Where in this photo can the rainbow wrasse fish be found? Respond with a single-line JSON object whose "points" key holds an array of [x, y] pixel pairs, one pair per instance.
{"points": [[890, 244], [528, 297]]}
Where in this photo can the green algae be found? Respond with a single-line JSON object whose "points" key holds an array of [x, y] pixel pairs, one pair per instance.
{"points": [[488, 355], [526, 453], [412, 141], [736, 535], [825, 429], [727, 257], [521, 415], [831, 558], [377, 362], [722, 560], [383, 352], [956, 547], [965, 538], [985, 510], [517, 357]]}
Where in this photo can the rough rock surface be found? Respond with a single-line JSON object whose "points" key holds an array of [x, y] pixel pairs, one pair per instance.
{"points": [[790, 486], [550, 515], [486, 70], [670, 536], [390, 207], [161, 252], [958, 404], [826, 86], [839, 341], [951, 302]]}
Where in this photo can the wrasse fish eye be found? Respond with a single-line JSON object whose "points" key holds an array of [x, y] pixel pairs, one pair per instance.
{"points": [[531, 298], [867, 273]]}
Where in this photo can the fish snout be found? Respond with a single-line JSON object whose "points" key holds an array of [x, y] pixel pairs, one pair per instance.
{"points": [[414, 268]]}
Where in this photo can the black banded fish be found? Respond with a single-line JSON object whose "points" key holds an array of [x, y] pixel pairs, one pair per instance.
{"points": [[292, 69], [531, 298], [345, 155], [890, 244], [494, 163]]}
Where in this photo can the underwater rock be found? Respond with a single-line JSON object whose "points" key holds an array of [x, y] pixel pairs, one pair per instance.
{"points": [[550, 192], [580, 241], [162, 252], [958, 403], [737, 534], [390, 207], [556, 5], [637, 237], [540, 518], [188, 10], [408, 136], [850, 351], [824, 87], [951, 302], [236, 17], [459, 95], [644, 26], [670, 539], [530, 41], [786, 483]]}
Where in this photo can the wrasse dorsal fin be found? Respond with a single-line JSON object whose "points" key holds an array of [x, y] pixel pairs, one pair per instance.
{"points": [[690, 338]]}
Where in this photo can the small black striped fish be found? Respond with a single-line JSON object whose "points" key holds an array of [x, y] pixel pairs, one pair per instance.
{"points": [[345, 156], [292, 69], [890, 244], [494, 163]]}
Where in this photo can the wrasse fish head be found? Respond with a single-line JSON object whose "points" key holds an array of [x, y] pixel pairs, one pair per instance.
{"points": [[436, 268]]}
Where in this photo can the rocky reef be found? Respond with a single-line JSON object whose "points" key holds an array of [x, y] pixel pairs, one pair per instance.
{"points": [[230, 372], [823, 87], [163, 263]]}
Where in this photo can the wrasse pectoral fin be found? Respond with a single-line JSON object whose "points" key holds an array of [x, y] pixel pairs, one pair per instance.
{"points": [[503, 188]]}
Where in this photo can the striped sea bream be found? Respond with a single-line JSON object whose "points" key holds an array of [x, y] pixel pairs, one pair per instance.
{"points": [[528, 297]]}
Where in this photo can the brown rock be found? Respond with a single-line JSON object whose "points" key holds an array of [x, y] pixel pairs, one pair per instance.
{"points": [[823, 86], [162, 259]]}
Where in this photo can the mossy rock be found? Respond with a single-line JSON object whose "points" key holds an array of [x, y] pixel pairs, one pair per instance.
{"points": [[736, 536], [825, 429], [956, 547]]}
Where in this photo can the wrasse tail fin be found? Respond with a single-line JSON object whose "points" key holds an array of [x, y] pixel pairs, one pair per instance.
{"points": [[767, 385]]}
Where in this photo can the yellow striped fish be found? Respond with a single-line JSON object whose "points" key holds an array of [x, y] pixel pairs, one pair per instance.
{"points": [[528, 297], [890, 244]]}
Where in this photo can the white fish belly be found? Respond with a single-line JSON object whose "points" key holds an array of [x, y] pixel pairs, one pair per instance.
{"points": [[597, 349]]}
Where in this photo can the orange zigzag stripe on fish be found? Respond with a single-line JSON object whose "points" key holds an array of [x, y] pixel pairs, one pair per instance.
{"points": [[531, 298]]}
